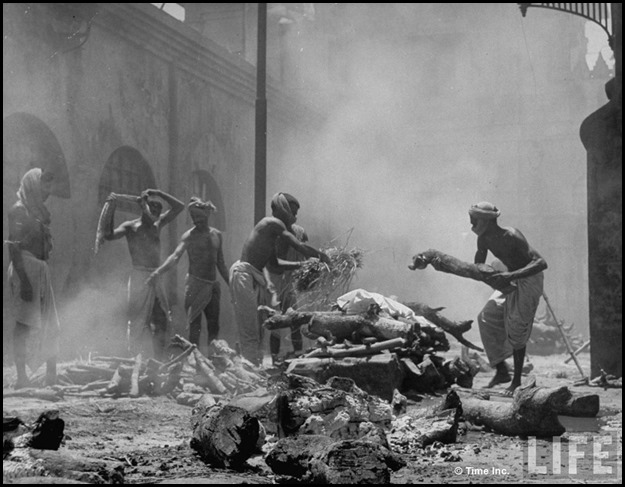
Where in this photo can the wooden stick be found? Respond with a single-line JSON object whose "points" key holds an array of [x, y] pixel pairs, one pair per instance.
{"points": [[357, 351], [564, 337], [579, 350], [179, 358], [134, 378]]}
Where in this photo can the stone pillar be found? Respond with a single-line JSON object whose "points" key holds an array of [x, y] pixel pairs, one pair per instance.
{"points": [[601, 134]]}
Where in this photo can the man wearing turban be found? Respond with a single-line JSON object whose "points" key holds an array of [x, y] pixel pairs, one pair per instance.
{"points": [[204, 246], [36, 335], [148, 310], [506, 320], [248, 286]]}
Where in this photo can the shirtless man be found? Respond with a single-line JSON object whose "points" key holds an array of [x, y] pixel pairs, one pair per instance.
{"points": [[203, 245], [506, 320], [248, 286], [36, 335], [147, 305]]}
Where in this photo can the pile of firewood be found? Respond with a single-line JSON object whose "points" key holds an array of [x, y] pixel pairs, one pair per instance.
{"points": [[379, 352], [189, 375]]}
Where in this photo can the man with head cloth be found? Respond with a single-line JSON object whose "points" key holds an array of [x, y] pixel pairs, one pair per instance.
{"points": [[248, 286], [36, 335], [204, 246], [506, 320], [148, 310]]}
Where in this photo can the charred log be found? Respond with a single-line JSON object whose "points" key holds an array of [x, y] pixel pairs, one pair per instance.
{"points": [[446, 263], [532, 412]]}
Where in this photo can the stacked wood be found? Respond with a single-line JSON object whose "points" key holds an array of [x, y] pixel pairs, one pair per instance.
{"points": [[224, 373], [379, 374], [532, 412], [446, 263], [336, 327]]}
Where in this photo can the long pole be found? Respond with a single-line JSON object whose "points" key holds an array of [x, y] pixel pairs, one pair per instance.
{"points": [[564, 337], [260, 162]]}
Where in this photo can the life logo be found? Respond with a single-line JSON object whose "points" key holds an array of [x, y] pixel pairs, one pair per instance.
{"points": [[584, 455]]}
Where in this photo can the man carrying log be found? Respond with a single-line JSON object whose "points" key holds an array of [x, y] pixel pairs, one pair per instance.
{"points": [[506, 320], [203, 245], [36, 335], [248, 286], [148, 311], [285, 289]]}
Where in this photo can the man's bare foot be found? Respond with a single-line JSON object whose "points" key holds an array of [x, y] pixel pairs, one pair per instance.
{"points": [[509, 391], [500, 378]]}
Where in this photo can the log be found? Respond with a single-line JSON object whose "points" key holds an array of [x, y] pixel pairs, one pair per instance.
{"points": [[378, 375], [134, 378], [320, 459], [355, 351], [225, 436], [173, 379], [179, 358], [580, 405], [451, 265], [340, 409], [353, 462], [206, 368], [532, 412], [44, 394], [454, 328], [25, 462], [336, 326]]}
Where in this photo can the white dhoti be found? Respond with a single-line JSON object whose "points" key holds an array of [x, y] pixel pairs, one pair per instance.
{"points": [[506, 321], [249, 289], [141, 299]]}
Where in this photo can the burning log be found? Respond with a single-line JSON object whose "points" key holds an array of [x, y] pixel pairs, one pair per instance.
{"points": [[378, 375], [340, 410], [422, 427], [454, 328], [225, 436], [532, 412], [446, 263], [336, 326]]}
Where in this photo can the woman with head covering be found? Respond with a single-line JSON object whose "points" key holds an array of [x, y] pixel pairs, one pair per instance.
{"points": [[36, 335], [204, 246], [506, 320], [248, 286]]}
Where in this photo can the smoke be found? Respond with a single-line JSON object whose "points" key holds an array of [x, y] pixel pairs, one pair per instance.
{"points": [[426, 118]]}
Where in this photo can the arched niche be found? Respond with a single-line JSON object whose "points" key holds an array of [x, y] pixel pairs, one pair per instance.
{"points": [[28, 142]]}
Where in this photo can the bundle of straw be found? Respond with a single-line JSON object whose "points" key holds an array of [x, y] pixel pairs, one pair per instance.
{"points": [[317, 284]]}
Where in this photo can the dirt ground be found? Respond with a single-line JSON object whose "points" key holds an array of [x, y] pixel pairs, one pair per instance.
{"points": [[151, 437]]}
